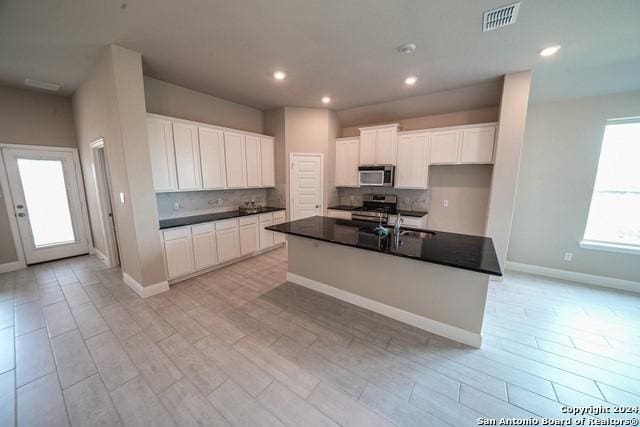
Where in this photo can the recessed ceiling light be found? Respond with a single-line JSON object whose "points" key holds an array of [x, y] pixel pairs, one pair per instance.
{"points": [[42, 85], [279, 75], [548, 51], [407, 48], [326, 100], [411, 80]]}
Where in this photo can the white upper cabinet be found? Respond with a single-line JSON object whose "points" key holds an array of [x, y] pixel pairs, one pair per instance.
{"points": [[253, 159], [477, 145], [378, 145], [445, 146], [163, 161], [187, 156], [214, 170], [413, 161], [387, 145], [367, 147], [463, 145], [267, 156], [347, 161], [185, 139], [235, 160]]}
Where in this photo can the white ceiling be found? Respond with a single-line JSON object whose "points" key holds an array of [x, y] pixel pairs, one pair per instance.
{"points": [[341, 48]]}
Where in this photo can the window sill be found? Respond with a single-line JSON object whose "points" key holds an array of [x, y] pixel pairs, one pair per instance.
{"points": [[610, 247]]}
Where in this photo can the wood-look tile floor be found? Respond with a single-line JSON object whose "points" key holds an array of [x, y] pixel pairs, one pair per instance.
{"points": [[241, 347]]}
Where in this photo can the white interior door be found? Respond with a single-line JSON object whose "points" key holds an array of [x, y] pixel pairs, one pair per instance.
{"points": [[46, 201], [306, 185]]}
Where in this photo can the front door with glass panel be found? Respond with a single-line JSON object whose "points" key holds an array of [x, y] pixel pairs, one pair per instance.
{"points": [[46, 202]]}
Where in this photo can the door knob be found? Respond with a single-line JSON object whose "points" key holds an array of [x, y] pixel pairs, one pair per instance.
{"points": [[19, 206], [21, 214], [317, 206]]}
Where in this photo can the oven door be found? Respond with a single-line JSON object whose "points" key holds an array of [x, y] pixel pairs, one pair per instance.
{"points": [[371, 177]]}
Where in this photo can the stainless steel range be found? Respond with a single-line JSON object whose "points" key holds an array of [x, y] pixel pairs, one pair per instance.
{"points": [[376, 208]]}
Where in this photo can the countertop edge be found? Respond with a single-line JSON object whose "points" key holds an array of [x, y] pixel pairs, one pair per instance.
{"points": [[231, 215], [451, 265]]}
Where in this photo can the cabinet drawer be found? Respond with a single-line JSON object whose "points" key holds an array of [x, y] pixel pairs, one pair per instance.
{"points": [[202, 228], [335, 213], [176, 233], [253, 219], [409, 221], [266, 217], [226, 224], [279, 216]]}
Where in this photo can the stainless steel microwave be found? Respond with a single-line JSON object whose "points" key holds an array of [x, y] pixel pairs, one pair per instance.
{"points": [[376, 176]]}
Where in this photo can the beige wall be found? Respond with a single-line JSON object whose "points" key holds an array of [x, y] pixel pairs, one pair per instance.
{"points": [[506, 166], [176, 101], [274, 126], [559, 163], [461, 99], [312, 130], [458, 118], [31, 118], [35, 118], [110, 105], [466, 188]]}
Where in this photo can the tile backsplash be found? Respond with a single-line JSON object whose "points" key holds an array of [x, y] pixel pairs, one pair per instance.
{"points": [[417, 200], [197, 202]]}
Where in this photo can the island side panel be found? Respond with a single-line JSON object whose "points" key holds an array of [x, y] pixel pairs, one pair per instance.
{"points": [[453, 298]]}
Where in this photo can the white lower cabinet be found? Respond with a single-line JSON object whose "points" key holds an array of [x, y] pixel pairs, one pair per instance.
{"points": [[278, 218], [202, 246], [266, 236], [178, 251], [205, 251], [249, 235], [228, 240]]}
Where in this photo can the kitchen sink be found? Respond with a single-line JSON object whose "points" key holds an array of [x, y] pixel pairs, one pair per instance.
{"points": [[417, 234]]}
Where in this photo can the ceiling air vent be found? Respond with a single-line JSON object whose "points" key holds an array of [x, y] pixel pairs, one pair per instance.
{"points": [[500, 17]]}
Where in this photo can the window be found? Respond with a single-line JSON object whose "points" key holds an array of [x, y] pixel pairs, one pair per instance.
{"points": [[614, 215]]}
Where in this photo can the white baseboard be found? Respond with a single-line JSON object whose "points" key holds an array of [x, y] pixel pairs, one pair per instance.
{"points": [[12, 266], [145, 291], [102, 257], [590, 279], [424, 323]]}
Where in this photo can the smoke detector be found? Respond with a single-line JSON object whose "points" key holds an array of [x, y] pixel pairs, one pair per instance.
{"points": [[407, 48], [500, 17], [42, 85]]}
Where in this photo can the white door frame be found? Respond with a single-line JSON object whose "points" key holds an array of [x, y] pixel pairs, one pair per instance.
{"points": [[291, 156], [4, 181], [107, 224]]}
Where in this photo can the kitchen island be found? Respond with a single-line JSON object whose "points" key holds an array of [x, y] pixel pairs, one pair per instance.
{"points": [[433, 280]]}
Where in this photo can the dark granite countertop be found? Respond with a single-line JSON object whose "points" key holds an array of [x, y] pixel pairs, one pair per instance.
{"points": [[197, 219], [475, 253], [404, 212]]}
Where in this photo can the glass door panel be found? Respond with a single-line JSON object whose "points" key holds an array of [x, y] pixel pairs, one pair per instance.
{"points": [[47, 201]]}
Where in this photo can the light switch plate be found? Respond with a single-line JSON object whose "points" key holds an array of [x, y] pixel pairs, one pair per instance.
{"points": [[122, 198]]}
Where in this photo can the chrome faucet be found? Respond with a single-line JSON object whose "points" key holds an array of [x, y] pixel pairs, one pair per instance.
{"points": [[396, 231], [397, 226]]}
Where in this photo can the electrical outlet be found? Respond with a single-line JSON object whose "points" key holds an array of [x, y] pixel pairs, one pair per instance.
{"points": [[176, 206], [446, 203], [568, 256], [219, 201]]}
